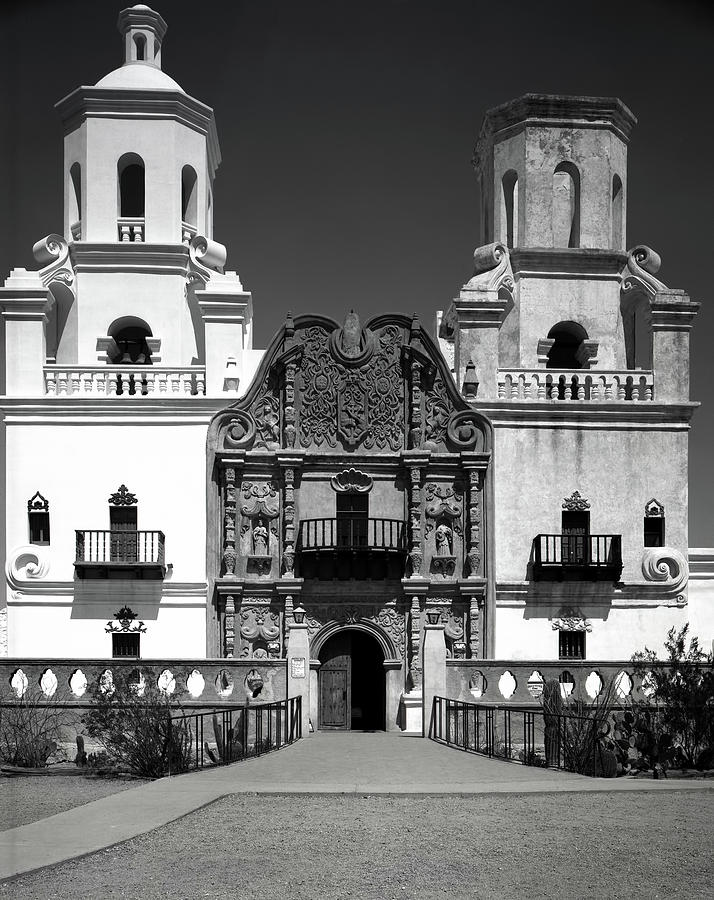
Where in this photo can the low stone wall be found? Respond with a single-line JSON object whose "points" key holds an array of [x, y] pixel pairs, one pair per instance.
{"points": [[196, 682], [521, 682]]}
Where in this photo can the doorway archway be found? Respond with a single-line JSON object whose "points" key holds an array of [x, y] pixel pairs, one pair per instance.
{"points": [[351, 682]]}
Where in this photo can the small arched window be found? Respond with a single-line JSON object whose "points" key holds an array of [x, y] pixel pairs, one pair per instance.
{"points": [[75, 200], [567, 340], [130, 174], [566, 205], [617, 210], [509, 208], [130, 337], [140, 47], [189, 191]]}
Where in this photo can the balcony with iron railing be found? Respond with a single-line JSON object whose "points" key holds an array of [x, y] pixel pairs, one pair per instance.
{"points": [[120, 554], [574, 557], [351, 547], [129, 382]]}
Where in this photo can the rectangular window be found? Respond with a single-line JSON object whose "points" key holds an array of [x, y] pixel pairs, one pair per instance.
{"points": [[654, 531], [352, 516], [125, 645], [571, 645], [39, 527]]}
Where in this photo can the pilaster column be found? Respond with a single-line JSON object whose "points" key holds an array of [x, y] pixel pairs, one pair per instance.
{"points": [[415, 463], [290, 466], [415, 669], [298, 674], [672, 319], [434, 668], [479, 315], [25, 303], [474, 553], [227, 314], [230, 477], [229, 621]]}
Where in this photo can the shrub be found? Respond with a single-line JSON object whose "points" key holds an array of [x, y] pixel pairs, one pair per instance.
{"points": [[682, 687], [30, 729], [574, 731], [138, 729]]}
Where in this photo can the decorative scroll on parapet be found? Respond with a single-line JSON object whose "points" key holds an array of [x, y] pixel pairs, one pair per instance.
{"points": [[570, 619], [52, 253], [206, 259], [492, 269], [639, 272], [667, 566], [26, 564]]}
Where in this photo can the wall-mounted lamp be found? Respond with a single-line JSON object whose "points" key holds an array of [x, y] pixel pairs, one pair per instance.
{"points": [[433, 616], [470, 386], [299, 614]]}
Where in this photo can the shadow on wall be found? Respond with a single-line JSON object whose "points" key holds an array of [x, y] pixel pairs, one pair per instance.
{"points": [[101, 600]]}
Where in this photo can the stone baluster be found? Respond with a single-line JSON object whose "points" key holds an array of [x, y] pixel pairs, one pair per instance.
{"points": [[187, 385], [175, 382], [50, 383], [229, 520], [201, 383]]}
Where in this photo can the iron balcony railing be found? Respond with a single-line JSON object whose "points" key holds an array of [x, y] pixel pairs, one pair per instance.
{"points": [[352, 533], [120, 548], [573, 554]]}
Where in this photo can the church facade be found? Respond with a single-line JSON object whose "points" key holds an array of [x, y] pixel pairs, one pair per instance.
{"points": [[173, 493]]}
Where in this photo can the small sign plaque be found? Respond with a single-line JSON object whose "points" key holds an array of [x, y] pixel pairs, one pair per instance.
{"points": [[297, 667]]}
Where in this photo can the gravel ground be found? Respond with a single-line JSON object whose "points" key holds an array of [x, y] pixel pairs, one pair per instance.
{"points": [[639, 845], [27, 798]]}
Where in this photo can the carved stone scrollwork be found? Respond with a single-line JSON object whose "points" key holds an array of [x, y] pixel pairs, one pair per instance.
{"points": [[576, 502], [465, 431], [352, 345], [351, 481], [665, 565], [229, 627], [265, 413], [260, 627], [229, 520], [416, 556], [289, 521], [474, 628], [570, 619], [416, 424], [52, 253], [260, 500], [443, 502], [390, 619], [289, 415], [415, 668], [453, 617], [639, 273], [240, 431], [654, 509], [473, 554], [123, 497], [492, 269]]}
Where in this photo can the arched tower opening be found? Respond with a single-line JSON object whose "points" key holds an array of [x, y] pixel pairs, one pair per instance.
{"points": [[75, 201], [567, 340], [618, 238], [189, 202], [509, 208], [130, 338], [566, 205]]}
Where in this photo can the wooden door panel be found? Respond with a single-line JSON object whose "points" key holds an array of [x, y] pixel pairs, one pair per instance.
{"points": [[333, 698]]}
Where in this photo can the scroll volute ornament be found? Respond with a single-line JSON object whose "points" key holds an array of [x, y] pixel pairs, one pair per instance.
{"points": [[466, 432], [240, 431]]}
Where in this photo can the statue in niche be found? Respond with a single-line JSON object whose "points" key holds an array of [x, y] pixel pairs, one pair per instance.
{"points": [[352, 335], [443, 538], [260, 538]]}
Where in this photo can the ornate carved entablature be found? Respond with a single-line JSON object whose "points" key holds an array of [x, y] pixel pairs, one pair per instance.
{"points": [[570, 619], [123, 497], [654, 509], [576, 502]]}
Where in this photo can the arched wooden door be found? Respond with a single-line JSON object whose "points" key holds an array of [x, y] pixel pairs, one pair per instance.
{"points": [[351, 683]]}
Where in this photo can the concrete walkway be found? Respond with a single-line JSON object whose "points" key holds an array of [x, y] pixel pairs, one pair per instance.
{"points": [[333, 763]]}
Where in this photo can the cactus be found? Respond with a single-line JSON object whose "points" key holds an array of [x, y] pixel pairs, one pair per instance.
{"points": [[229, 748], [81, 757], [552, 702]]}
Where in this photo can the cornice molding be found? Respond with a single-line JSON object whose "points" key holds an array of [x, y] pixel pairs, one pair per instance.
{"points": [[129, 257], [586, 414], [577, 263], [89, 101]]}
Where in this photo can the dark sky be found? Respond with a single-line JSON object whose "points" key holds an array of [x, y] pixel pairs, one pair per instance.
{"points": [[347, 130]]}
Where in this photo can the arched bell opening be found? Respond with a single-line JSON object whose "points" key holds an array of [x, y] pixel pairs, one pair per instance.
{"points": [[351, 681]]}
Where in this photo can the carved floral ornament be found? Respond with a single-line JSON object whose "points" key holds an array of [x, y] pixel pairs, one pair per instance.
{"points": [[570, 619], [125, 622], [654, 509], [37, 503], [351, 481], [576, 502], [123, 497], [260, 500]]}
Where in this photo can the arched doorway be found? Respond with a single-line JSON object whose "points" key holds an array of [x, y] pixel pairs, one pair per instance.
{"points": [[351, 683]]}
